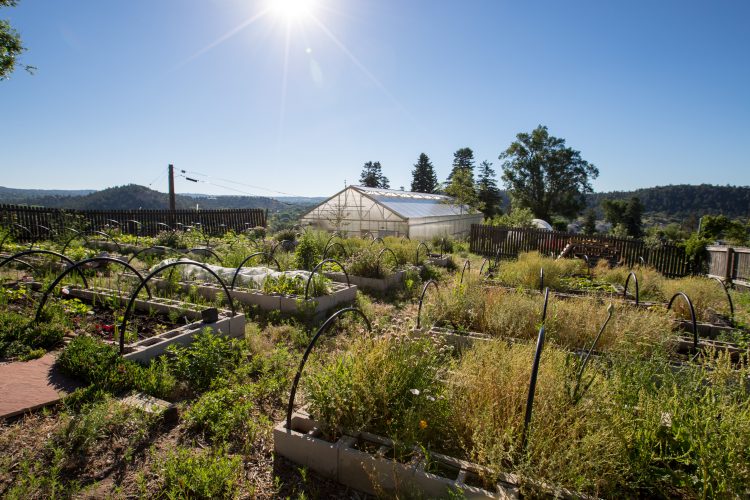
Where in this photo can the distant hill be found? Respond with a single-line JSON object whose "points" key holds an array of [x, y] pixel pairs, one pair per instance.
{"points": [[10, 195], [683, 200], [132, 197]]}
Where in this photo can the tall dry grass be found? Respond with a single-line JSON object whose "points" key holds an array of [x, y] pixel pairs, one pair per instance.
{"points": [[525, 272]]}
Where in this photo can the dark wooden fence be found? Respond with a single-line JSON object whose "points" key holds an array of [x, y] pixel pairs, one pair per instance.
{"points": [[729, 263], [491, 241], [36, 219]]}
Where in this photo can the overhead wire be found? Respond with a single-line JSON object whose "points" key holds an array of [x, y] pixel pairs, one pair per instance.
{"points": [[240, 183], [227, 187]]}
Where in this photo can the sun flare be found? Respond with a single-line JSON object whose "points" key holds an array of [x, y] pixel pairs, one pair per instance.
{"points": [[291, 9]]}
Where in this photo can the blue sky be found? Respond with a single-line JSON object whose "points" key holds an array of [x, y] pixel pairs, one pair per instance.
{"points": [[652, 93]]}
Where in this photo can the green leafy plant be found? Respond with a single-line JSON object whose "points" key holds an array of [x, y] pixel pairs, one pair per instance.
{"points": [[209, 357], [199, 475]]}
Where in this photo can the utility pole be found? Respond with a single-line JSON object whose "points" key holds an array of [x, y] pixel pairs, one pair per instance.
{"points": [[171, 196]]}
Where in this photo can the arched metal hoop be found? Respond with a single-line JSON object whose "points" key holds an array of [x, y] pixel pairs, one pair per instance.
{"points": [[316, 268], [692, 315], [321, 330], [380, 256], [280, 244], [466, 264], [48, 231], [421, 300], [247, 259], [110, 238], [144, 283], [206, 251], [32, 238], [534, 373], [481, 268], [729, 299], [330, 240], [641, 261], [637, 290], [76, 234], [378, 239], [368, 233], [137, 228], [335, 243], [27, 264], [161, 249], [76, 266], [426, 251], [45, 252]]}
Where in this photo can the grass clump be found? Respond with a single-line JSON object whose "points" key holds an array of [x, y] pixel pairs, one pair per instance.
{"points": [[389, 385], [525, 272]]}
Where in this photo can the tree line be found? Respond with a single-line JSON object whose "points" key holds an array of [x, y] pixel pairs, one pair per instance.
{"points": [[541, 174]]}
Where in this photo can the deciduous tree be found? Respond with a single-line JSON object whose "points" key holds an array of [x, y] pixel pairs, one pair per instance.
{"points": [[541, 173], [10, 44]]}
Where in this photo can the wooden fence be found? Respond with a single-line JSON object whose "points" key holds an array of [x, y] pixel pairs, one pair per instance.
{"points": [[492, 241], [143, 222], [729, 263]]}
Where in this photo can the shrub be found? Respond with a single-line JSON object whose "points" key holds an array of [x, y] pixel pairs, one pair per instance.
{"points": [[200, 475], [97, 363], [285, 234], [27, 340], [209, 357], [364, 263], [227, 414]]}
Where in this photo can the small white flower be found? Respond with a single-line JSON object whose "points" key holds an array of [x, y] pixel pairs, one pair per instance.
{"points": [[430, 398], [414, 391]]}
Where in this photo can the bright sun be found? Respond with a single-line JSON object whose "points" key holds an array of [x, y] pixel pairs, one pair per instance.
{"points": [[291, 9]]}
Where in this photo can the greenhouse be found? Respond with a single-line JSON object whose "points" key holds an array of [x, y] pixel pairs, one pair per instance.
{"points": [[358, 210]]}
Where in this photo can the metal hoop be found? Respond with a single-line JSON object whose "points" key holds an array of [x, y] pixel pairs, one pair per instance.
{"points": [[46, 252], [637, 291], [466, 264], [692, 315], [320, 264], [335, 243], [246, 259], [421, 299], [321, 330], [76, 266], [729, 299], [380, 255], [199, 250], [134, 295], [426, 249]]}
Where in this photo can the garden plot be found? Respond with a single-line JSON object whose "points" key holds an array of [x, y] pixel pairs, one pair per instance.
{"points": [[260, 286], [157, 323]]}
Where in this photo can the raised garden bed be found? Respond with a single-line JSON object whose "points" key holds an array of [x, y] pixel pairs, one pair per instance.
{"points": [[154, 345], [340, 294], [393, 280], [361, 461]]}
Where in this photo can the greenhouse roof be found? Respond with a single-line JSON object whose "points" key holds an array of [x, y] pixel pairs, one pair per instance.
{"points": [[414, 205]]}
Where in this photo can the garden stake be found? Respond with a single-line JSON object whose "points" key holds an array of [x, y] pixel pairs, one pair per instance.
{"points": [[729, 299], [625, 291], [76, 267], [541, 283], [421, 299], [321, 330], [692, 316], [320, 264], [144, 282], [534, 372], [610, 311], [588, 265], [466, 264], [246, 259]]}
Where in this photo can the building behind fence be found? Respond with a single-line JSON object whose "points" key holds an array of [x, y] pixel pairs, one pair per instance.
{"points": [[29, 223], [494, 241]]}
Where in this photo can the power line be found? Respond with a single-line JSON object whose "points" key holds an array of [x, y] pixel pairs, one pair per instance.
{"points": [[229, 188], [164, 172], [240, 183]]}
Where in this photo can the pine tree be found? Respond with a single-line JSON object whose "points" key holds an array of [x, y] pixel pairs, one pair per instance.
{"points": [[487, 191], [589, 222], [424, 179], [372, 176], [462, 159]]}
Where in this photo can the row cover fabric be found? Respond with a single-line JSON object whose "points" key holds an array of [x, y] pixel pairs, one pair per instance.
{"points": [[251, 277]]}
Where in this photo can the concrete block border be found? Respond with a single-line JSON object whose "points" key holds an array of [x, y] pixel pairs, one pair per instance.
{"points": [[394, 280], [145, 349]]}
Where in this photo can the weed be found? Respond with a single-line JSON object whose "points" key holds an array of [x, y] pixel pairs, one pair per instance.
{"points": [[199, 475]]}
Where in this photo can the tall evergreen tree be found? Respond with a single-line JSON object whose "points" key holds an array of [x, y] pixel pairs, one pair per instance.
{"points": [[487, 191], [372, 176], [589, 222], [424, 179], [462, 159]]}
